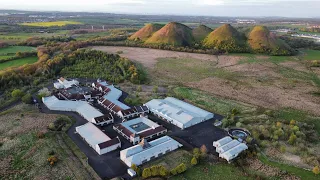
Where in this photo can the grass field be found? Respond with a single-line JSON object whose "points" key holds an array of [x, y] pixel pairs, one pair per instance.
{"points": [[18, 62], [311, 55], [23, 36], [49, 24], [14, 49]]}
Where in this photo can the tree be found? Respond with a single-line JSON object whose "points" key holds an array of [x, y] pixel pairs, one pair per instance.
{"points": [[135, 168], [146, 173], [292, 139], [203, 150], [282, 149], [292, 122], [163, 171], [196, 153], [181, 168], [316, 170], [194, 161], [27, 99], [17, 93], [154, 171]]}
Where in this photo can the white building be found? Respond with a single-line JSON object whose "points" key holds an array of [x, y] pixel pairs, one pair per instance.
{"points": [[146, 151], [222, 141], [82, 107], [178, 112], [140, 128], [233, 152], [133, 112], [227, 146], [64, 84], [98, 140]]}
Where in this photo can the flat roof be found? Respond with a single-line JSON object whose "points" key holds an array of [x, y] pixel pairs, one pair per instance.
{"points": [[129, 124], [92, 134]]}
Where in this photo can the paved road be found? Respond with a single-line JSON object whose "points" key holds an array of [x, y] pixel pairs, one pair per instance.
{"points": [[107, 166], [14, 103]]}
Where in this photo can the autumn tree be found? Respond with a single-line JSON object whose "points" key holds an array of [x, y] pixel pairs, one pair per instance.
{"points": [[203, 150], [316, 170], [146, 173], [194, 161]]}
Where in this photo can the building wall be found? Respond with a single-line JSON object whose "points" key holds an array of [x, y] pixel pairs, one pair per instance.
{"points": [[108, 149]]}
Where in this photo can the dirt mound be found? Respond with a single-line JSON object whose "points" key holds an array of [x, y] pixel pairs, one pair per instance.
{"points": [[174, 33], [201, 32], [226, 38], [261, 40], [146, 32]]}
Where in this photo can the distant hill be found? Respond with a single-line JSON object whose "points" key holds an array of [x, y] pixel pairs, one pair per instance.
{"points": [[146, 32], [173, 33], [261, 40], [226, 38], [201, 32]]}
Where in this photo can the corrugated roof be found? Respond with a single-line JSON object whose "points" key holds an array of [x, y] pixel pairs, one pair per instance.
{"points": [[92, 134]]}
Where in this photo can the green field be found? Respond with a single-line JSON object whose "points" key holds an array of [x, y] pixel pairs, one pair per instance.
{"points": [[14, 49], [49, 24], [311, 55], [23, 36], [18, 62]]}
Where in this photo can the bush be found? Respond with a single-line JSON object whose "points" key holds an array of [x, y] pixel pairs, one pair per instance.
{"points": [[155, 89], [196, 153], [27, 99], [194, 161], [292, 139], [203, 150], [52, 160], [17, 93], [316, 170], [282, 149], [163, 171], [40, 135], [146, 173]]}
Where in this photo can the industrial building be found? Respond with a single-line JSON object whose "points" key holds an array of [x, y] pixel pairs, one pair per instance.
{"points": [[178, 112], [146, 151], [98, 140], [229, 149], [140, 128]]}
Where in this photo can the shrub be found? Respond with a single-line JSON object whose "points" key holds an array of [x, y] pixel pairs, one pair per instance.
{"points": [[44, 92], [173, 171], [154, 170], [316, 170], [139, 88], [27, 99], [17, 93], [181, 168], [194, 161], [196, 153], [146, 173], [203, 150], [163, 171], [40, 135], [52, 127], [282, 149], [292, 139], [51, 153], [52, 160], [292, 122], [234, 111], [155, 89], [238, 124]]}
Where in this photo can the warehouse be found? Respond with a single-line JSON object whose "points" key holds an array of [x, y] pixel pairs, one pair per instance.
{"points": [[140, 128], [178, 112], [96, 139], [233, 152], [146, 151], [229, 149]]}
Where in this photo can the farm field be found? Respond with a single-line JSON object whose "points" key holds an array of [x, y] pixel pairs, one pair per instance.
{"points": [[49, 24], [14, 49], [24, 153], [271, 82], [18, 62], [14, 37]]}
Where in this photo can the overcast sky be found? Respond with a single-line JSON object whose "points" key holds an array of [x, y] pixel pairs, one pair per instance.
{"points": [[287, 8]]}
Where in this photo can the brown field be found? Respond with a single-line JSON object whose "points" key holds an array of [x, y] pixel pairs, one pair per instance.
{"points": [[263, 83]]}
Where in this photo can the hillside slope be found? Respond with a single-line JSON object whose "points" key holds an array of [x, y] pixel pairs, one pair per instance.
{"points": [[226, 38], [146, 32], [173, 33], [201, 32], [261, 40]]}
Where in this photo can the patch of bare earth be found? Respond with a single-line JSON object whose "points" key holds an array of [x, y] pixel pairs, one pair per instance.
{"points": [[149, 57], [295, 65], [226, 61], [266, 96]]}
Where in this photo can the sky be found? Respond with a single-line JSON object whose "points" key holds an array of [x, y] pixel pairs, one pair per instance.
{"points": [[285, 8]]}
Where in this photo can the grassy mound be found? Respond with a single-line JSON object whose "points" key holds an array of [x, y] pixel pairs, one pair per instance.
{"points": [[226, 38], [146, 32], [201, 32], [175, 34], [262, 41]]}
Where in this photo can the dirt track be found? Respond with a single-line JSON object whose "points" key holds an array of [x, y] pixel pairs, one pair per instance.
{"points": [[260, 83]]}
